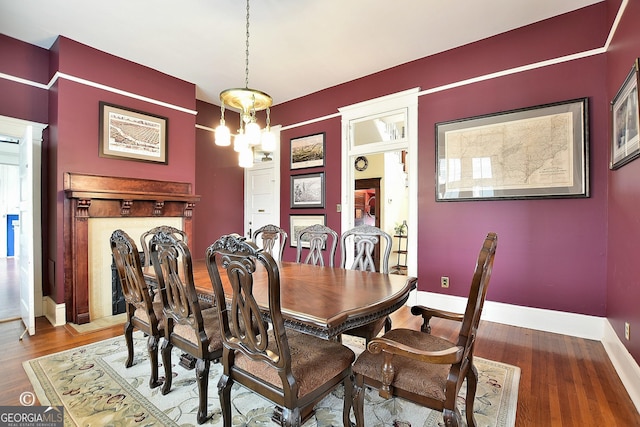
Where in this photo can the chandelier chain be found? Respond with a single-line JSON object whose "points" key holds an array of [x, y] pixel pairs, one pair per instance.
{"points": [[246, 65]]}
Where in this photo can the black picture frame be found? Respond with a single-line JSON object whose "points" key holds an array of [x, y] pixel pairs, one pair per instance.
{"points": [[307, 191], [530, 153], [625, 121]]}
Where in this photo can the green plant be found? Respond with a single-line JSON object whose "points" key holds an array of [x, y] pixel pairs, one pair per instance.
{"points": [[400, 229]]}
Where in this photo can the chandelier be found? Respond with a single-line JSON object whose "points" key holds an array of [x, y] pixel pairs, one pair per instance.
{"points": [[248, 101]]}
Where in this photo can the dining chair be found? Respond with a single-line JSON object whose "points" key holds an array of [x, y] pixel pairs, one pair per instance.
{"points": [[187, 326], [423, 368], [364, 239], [292, 369], [144, 313], [319, 237], [146, 236], [273, 237]]}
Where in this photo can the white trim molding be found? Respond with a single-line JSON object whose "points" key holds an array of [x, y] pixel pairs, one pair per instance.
{"points": [[55, 313], [559, 322], [624, 364]]}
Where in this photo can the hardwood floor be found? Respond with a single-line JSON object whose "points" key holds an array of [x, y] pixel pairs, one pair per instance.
{"points": [[565, 381], [9, 288]]}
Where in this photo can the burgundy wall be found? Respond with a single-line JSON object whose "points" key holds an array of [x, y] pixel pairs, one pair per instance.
{"points": [[551, 252], [74, 111], [28, 62], [623, 269], [219, 182]]}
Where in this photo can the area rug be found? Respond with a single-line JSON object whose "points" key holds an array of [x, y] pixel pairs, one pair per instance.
{"points": [[96, 389]]}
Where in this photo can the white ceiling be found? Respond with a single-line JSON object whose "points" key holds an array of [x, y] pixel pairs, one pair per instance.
{"points": [[296, 47]]}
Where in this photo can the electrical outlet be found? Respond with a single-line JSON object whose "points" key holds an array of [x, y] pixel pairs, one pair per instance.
{"points": [[627, 331], [444, 281]]}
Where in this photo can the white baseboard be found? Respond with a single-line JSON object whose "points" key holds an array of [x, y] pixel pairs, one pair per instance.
{"points": [[626, 367], [55, 313], [577, 325]]}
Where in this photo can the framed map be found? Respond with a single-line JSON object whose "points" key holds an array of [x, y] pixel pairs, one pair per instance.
{"points": [[536, 152]]}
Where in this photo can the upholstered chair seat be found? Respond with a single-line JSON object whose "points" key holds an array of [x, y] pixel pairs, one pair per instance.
{"points": [[417, 377], [308, 361]]}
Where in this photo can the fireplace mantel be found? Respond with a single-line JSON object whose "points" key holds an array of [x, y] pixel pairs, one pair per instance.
{"points": [[93, 196]]}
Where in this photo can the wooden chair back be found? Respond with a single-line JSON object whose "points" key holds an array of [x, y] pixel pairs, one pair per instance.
{"points": [[477, 294], [274, 239], [146, 236], [188, 326], [172, 264], [239, 259], [139, 299], [129, 268], [292, 369], [319, 237], [365, 239]]}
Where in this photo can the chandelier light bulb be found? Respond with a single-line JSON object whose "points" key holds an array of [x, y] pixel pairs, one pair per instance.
{"points": [[223, 136], [268, 141], [240, 143], [252, 133], [245, 158]]}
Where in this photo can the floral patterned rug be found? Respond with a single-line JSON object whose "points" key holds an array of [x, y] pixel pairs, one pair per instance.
{"points": [[96, 389]]}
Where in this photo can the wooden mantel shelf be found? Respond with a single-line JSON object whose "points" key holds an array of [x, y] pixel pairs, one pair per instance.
{"points": [[94, 196]]}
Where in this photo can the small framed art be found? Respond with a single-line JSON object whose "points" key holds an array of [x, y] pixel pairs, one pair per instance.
{"points": [[131, 134], [307, 191], [307, 151], [625, 118]]}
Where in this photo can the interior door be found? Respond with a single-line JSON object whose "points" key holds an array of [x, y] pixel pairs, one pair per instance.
{"points": [[262, 205], [26, 258]]}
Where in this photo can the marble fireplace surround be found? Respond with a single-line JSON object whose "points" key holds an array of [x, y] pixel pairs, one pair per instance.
{"points": [[119, 199]]}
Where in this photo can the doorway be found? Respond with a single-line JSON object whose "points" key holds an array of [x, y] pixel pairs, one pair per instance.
{"points": [[380, 138], [12, 224], [367, 209]]}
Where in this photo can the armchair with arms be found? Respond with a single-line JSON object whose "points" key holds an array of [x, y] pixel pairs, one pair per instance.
{"points": [[423, 368]]}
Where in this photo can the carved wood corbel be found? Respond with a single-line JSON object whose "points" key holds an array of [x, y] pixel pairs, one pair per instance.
{"points": [[125, 207], [157, 208]]}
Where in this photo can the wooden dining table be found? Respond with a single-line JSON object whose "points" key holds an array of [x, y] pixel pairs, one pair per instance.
{"points": [[322, 301]]}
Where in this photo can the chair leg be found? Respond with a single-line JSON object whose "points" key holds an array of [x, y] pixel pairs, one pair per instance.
{"points": [[152, 347], [348, 401], [128, 337], [387, 324], [202, 378], [451, 418], [224, 395], [358, 400], [166, 361], [472, 385], [291, 417]]}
